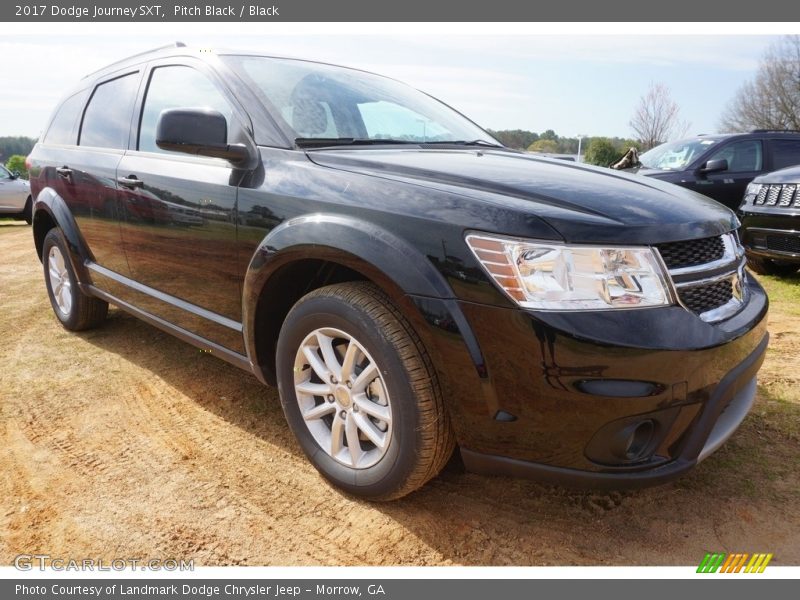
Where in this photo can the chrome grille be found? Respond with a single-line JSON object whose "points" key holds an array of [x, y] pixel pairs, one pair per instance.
{"points": [[678, 255], [787, 194], [707, 274], [703, 298], [772, 195], [781, 195]]}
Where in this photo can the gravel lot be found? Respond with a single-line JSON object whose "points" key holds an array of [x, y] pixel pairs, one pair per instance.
{"points": [[125, 442]]}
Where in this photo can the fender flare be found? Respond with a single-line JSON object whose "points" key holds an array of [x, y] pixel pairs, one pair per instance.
{"points": [[49, 202], [374, 252]]}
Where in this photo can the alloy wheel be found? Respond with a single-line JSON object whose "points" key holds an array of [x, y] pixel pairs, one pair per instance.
{"points": [[342, 398], [60, 282]]}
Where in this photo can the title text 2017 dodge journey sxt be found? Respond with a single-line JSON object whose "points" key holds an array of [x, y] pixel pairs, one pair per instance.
{"points": [[408, 283]]}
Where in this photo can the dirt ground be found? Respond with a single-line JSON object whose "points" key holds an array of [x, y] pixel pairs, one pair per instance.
{"points": [[125, 442]]}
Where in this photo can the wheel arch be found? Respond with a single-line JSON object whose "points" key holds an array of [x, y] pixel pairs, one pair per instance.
{"points": [[49, 210], [309, 252]]}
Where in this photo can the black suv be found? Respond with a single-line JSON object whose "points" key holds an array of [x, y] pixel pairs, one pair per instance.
{"points": [[408, 283], [770, 214], [721, 166]]}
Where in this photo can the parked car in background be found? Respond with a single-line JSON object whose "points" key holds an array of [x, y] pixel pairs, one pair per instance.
{"points": [[770, 215], [15, 196], [720, 166], [407, 282]]}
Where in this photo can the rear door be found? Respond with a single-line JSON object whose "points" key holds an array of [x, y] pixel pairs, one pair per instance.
{"points": [[784, 153], [177, 212], [84, 173]]}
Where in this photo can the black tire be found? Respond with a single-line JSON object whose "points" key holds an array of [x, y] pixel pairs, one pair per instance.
{"points": [[84, 312], [422, 439], [27, 212], [766, 266]]}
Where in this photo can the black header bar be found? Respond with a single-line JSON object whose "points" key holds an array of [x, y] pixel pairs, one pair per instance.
{"points": [[778, 11]]}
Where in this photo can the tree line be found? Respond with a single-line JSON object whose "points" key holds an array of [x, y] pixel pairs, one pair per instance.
{"points": [[13, 150], [11, 145], [594, 149], [770, 100]]}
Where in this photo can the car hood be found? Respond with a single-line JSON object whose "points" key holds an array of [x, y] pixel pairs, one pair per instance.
{"points": [[583, 203], [787, 175]]}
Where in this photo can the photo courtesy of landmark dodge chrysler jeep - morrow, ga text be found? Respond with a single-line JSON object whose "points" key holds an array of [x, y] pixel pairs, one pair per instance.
{"points": [[409, 284]]}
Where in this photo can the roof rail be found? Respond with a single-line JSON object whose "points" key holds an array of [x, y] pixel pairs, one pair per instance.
{"points": [[775, 131], [127, 58]]}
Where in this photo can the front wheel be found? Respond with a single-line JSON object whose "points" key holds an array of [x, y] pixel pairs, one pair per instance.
{"points": [[360, 393], [74, 309]]}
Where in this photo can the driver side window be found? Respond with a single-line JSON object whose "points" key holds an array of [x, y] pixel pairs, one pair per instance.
{"points": [[178, 87], [742, 157], [4, 173]]}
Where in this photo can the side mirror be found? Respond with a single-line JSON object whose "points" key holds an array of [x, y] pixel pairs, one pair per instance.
{"points": [[715, 166], [14, 174], [198, 131]]}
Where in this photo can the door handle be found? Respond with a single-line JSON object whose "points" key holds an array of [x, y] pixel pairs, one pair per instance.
{"points": [[64, 172], [131, 181]]}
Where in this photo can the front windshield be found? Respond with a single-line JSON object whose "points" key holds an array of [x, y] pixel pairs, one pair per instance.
{"points": [[675, 156], [317, 101]]}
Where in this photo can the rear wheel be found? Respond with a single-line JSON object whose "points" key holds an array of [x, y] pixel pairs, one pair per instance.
{"points": [[766, 266], [360, 393], [74, 309]]}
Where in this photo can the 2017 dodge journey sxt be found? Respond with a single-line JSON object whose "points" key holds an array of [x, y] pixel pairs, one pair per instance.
{"points": [[408, 283]]}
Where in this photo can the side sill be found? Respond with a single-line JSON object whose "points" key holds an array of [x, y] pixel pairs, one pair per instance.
{"points": [[166, 298], [230, 356]]}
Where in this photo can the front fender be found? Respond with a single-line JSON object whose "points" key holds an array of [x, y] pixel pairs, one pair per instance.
{"points": [[394, 257], [50, 209], [377, 254]]}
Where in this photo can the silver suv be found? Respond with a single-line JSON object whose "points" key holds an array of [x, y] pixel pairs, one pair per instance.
{"points": [[15, 195]]}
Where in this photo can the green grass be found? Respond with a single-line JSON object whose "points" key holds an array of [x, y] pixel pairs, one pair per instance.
{"points": [[784, 292]]}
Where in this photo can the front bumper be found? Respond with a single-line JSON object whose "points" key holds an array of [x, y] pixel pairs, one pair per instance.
{"points": [[721, 416], [564, 397], [773, 236]]}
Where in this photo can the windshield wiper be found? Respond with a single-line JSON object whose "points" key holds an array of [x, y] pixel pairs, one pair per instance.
{"points": [[465, 143], [303, 142]]}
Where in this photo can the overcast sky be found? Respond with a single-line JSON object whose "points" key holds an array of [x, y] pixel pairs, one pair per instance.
{"points": [[573, 84]]}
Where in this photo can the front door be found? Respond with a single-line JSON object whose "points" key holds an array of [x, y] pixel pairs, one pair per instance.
{"points": [[177, 217], [745, 163]]}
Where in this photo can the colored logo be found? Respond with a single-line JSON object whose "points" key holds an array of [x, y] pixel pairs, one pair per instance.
{"points": [[734, 563]]}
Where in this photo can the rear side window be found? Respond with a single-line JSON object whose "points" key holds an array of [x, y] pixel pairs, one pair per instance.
{"points": [[742, 156], [107, 119], [64, 126], [785, 153], [177, 87]]}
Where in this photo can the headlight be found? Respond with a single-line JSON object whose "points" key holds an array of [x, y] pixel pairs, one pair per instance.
{"points": [[549, 276], [750, 193]]}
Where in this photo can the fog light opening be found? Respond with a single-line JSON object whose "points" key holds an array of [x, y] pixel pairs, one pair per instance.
{"points": [[639, 440]]}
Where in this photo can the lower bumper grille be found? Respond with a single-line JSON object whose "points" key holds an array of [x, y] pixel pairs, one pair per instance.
{"points": [[784, 243]]}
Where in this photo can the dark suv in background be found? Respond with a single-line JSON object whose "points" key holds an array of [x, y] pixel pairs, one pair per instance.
{"points": [[770, 215], [408, 283], [720, 166]]}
